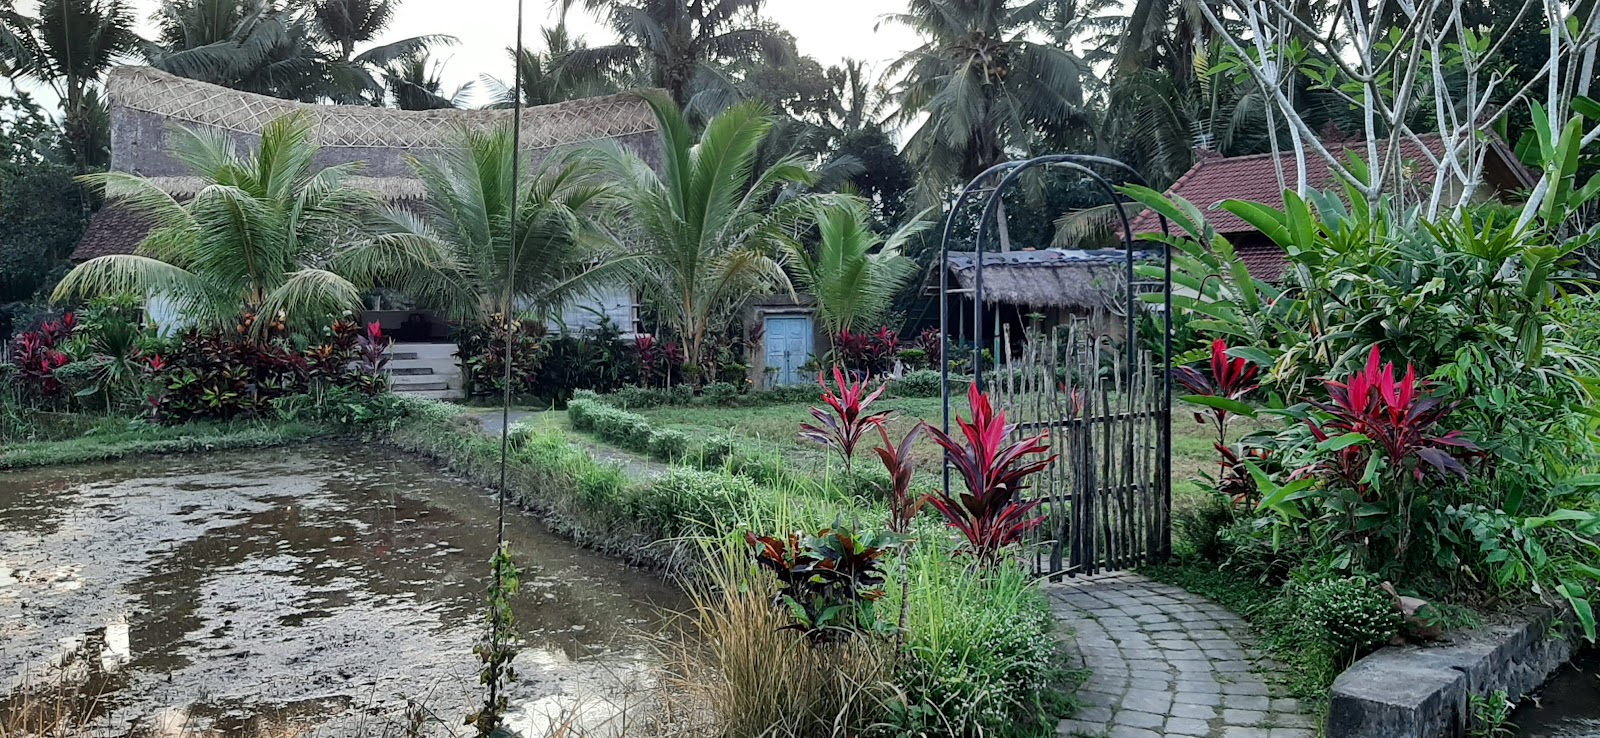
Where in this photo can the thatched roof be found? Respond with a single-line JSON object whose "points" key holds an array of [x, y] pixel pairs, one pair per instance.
{"points": [[1061, 278], [146, 104]]}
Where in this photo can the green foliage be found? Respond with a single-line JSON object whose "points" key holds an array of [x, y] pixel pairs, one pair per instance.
{"points": [[269, 233], [980, 657], [920, 383], [481, 347], [669, 444], [1351, 614], [1489, 716], [42, 210], [828, 582], [1485, 309], [720, 393], [121, 438], [853, 272], [499, 646], [705, 221]]}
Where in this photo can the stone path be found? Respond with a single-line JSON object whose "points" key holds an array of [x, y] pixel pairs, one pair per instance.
{"points": [[1164, 662]]}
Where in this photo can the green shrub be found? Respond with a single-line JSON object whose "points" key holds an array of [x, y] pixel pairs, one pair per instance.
{"points": [[1353, 616], [981, 657], [669, 445], [636, 398], [686, 501], [716, 450], [721, 393], [1200, 528], [920, 383]]}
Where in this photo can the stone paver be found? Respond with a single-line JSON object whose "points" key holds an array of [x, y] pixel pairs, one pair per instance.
{"points": [[1164, 662]]}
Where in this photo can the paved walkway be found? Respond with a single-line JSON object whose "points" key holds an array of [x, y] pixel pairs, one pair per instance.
{"points": [[1164, 662]]}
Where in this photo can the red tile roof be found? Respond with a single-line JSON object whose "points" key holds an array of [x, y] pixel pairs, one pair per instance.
{"points": [[115, 229], [1214, 179]]}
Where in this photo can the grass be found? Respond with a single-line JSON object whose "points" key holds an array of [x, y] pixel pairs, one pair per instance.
{"points": [[117, 438], [776, 427]]}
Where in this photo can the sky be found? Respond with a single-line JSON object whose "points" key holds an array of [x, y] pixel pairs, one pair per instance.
{"points": [[827, 30]]}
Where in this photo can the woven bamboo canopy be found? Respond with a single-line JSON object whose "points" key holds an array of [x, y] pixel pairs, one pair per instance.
{"points": [[147, 104]]}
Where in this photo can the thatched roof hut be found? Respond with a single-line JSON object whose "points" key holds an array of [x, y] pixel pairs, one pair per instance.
{"points": [[147, 103], [1070, 280]]}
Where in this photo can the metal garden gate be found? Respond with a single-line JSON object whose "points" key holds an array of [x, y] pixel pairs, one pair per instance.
{"points": [[1105, 402]]}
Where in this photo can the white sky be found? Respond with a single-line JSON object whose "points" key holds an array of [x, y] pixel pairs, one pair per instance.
{"points": [[828, 30]]}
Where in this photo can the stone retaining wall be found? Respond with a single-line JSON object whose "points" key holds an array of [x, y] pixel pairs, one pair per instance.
{"points": [[1424, 692]]}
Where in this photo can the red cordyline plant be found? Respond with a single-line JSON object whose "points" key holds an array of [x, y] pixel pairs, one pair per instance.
{"points": [[991, 514], [1400, 417], [1373, 412], [849, 420], [1223, 390], [903, 506]]}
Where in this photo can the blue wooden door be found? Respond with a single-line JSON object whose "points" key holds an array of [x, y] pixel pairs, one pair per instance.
{"points": [[788, 348]]}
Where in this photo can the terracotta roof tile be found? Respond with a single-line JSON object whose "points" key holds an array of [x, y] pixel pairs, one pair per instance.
{"points": [[1215, 179], [113, 230]]}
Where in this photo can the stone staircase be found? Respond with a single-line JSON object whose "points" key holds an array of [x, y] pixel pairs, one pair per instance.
{"points": [[425, 370]]}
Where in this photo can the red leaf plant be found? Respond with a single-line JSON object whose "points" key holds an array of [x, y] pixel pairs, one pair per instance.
{"points": [[1399, 419], [898, 461], [1230, 379], [849, 421], [990, 514]]}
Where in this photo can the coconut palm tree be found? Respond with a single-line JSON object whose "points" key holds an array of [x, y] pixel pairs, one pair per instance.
{"points": [[853, 279], [546, 78], [704, 230], [267, 233], [251, 45], [69, 47], [977, 89], [679, 44], [342, 25], [560, 249], [414, 83]]}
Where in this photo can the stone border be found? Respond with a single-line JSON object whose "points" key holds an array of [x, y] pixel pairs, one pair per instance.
{"points": [[1424, 692]]}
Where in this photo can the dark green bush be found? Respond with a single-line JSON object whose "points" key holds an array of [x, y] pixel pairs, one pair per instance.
{"points": [[920, 383], [721, 393], [686, 501], [669, 445], [1353, 616], [1200, 528]]}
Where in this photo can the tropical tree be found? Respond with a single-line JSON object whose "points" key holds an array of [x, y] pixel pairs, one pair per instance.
{"points": [[854, 284], [479, 269], [978, 90], [704, 229], [251, 45], [679, 44], [413, 84], [546, 78], [342, 25], [69, 47], [267, 233]]}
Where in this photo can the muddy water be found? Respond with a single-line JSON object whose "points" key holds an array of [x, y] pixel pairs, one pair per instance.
{"points": [[298, 585], [1567, 707]]}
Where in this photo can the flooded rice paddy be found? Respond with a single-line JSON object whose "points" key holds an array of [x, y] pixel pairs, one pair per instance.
{"points": [[308, 586]]}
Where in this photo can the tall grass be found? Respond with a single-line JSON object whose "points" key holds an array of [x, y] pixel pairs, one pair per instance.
{"points": [[751, 677]]}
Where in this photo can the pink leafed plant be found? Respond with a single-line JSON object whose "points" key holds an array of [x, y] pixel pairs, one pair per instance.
{"points": [[847, 418], [991, 515]]}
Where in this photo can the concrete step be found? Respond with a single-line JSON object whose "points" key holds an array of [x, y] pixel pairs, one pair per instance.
{"points": [[425, 350], [402, 356], [447, 395], [406, 371], [420, 387]]}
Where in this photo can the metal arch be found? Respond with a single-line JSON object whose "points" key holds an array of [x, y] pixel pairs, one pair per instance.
{"points": [[1082, 163]]}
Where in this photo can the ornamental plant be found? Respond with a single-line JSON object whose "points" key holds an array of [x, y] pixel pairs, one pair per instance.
{"points": [[1380, 436], [872, 353], [847, 418], [827, 582], [38, 354], [991, 515], [1223, 390]]}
